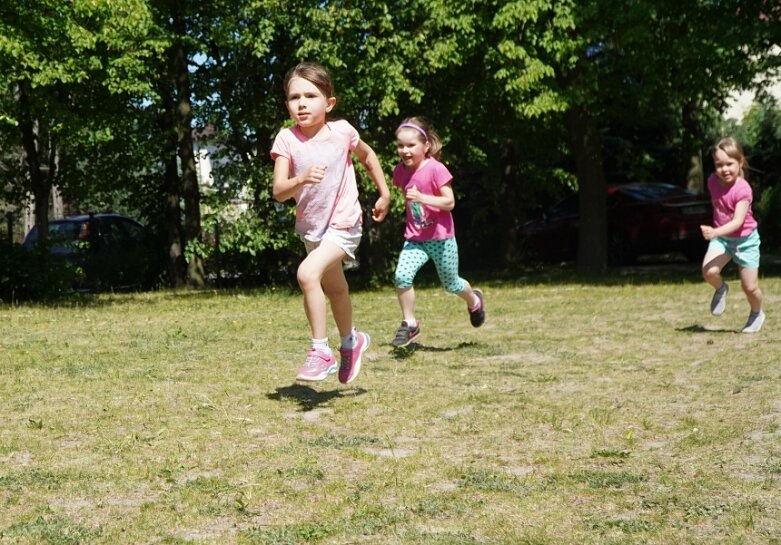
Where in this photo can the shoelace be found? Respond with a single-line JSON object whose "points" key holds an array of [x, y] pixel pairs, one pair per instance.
{"points": [[312, 359], [347, 356]]}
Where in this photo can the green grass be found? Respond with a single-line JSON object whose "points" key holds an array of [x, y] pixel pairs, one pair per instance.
{"points": [[614, 411]]}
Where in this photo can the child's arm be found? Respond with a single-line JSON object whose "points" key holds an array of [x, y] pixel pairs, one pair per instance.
{"points": [[286, 187], [369, 160], [741, 209], [444, 201]]}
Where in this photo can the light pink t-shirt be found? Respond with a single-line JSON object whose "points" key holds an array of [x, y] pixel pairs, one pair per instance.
{"points": [[425, 222], [725, 197], [334, 201]]}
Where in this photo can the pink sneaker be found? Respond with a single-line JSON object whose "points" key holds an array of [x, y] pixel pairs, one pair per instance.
{"points": [[351, 358], [318, 366]]}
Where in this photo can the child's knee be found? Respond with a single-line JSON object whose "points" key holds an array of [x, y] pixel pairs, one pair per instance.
{"points": [[307, 275], [402, 281], [750, 286], [710, 271], [455, 287]]}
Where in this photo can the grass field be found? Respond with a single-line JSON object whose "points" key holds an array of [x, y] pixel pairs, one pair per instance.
{"points": [[609, 412]]}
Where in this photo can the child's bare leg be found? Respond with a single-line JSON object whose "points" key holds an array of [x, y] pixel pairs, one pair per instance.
{"points": [[749, 281], [468, 295], [312, 273], [338, 293], [712, 264], [407, 303]]}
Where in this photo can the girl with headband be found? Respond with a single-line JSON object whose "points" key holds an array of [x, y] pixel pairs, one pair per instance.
{"points": [[429, 233]]}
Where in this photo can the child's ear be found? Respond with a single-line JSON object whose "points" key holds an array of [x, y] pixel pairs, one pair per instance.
{"points": [[330, 103]]}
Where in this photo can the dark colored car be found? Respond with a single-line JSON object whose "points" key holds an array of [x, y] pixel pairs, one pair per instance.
{"points": [[642, 218], [107, 251]]}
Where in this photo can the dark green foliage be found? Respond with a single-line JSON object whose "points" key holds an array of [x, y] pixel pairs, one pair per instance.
{"points": [[33, 275], [496, 79]]}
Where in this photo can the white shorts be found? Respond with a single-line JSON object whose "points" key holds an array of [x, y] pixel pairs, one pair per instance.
{"points": [[347, 240]]}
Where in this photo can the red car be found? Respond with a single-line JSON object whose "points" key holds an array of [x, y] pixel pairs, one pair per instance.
{"points": [[642, 219]]}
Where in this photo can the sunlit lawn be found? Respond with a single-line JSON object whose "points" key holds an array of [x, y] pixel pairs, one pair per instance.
{"points": [[616, 411]]}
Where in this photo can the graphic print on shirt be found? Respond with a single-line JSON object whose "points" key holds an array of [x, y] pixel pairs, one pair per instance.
{"points": [[418, 213]]}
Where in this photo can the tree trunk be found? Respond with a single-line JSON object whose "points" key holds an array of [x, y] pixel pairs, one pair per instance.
{"points": [[39, 183], [587, 150], [508, 219], [693, 171], [176, 262], [190, 189]]}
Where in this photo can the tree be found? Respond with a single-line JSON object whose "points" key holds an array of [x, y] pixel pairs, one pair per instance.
{"points": [[59, 62], [604, 61]]}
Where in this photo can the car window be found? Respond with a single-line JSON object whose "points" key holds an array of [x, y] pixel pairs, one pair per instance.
{"points": [[111, 232], [134, 231], [64, 231]]}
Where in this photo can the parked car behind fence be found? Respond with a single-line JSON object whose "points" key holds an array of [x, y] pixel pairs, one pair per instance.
{"points": [[642, 219], [107, 251]]}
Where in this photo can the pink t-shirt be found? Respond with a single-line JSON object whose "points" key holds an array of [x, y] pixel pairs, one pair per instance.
{"points": [[334, 201], [425, 222], [725, 197]]}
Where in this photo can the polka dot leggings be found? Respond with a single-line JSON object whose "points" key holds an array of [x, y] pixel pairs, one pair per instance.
{"points": [[444, 254]]}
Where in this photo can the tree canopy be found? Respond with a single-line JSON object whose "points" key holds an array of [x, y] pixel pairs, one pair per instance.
{"points": [[533, 98]]}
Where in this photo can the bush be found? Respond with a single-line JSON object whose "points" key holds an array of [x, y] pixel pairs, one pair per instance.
{"points": [[768, 213], [32, 275]]}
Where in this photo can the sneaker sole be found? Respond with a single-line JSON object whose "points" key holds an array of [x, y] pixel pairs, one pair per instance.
{"points": [[755, 327], [317, 378]]}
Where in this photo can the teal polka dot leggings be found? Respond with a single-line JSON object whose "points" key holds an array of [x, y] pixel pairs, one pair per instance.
{"points": [[444, 254]]}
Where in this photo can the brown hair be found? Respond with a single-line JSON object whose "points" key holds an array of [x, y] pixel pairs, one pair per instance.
{"points": [[733, 149], [426, 133], [313, 73]]}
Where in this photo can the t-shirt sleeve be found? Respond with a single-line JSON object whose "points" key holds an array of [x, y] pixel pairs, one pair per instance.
{"points": [[712, 179], [743, 192], [281, 146], [442, 175], [349, 131]]}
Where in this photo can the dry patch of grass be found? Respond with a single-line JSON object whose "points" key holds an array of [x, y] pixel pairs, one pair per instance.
{"points": [[617, 412]]}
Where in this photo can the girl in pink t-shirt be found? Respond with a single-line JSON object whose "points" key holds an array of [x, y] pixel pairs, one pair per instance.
{"points": [[429, 233], [313, 165], [733, 236]]}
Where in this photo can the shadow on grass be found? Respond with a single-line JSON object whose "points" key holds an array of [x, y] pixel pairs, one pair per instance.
{"points": [[696, 328], [309, 398], [405, 352]]}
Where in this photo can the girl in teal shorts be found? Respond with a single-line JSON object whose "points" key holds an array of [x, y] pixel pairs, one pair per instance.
{"points": [[733, 236]]}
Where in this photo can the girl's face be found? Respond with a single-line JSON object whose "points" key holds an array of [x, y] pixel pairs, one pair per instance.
{"points": [[411, 148], [727, 168], [308, 105]]}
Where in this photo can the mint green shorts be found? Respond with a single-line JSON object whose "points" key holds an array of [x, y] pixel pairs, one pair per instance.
{"points": [[743, 250]]}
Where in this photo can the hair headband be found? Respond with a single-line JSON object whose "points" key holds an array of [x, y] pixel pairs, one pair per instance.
{"points": [[416, 127]]}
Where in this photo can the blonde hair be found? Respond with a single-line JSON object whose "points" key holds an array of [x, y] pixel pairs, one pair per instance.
{"points": [[426, 133], [733, 149]]}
